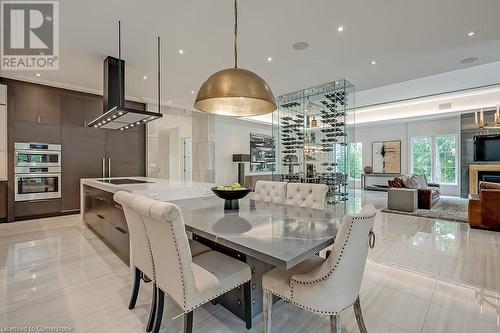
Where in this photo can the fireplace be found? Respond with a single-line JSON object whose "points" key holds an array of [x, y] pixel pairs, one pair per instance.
{"points": [[482, 172], [488, 176]]}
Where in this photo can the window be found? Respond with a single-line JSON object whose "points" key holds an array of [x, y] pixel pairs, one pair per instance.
{"points": [[355, 160], [446, 159], [421, 156], [435, 157]]}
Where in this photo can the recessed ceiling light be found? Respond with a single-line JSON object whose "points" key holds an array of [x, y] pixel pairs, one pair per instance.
{"points": [[471, 34], [469, 60], [145, 77], [299, 46], [38, 74], [373, 62], [340, 28], [170, 102], [269, 59], [181, 51], [192, 91]]}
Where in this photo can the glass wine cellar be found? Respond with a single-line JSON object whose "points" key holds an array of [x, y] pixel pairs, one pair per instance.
{"points": [[312, 132]]}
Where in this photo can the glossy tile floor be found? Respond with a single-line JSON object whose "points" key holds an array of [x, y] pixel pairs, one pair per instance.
{"points": [[423, 276]]}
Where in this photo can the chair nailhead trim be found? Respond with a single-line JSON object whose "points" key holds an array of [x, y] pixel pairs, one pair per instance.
{"points": [[180, 266], [219, 294], [321, 312], [338, 259], [291, 300]]}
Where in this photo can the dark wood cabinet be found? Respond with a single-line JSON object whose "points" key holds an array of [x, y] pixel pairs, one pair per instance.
{"points": [[82, 150], [85, 149], [46, 114], [125, 151], [37, 208], [27, 131], [3, 201], [105, 217], [36, 105], [49, 107], [23, 98], [37, 113]]}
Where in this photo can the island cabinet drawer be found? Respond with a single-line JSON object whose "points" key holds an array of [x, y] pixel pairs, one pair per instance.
{"points": [[118, 217], [106, 218], [120, 241]]}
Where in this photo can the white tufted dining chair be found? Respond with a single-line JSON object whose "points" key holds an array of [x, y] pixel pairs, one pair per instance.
{"points": [[268, 191], [306, 195], [327, 286], [141, 257], [189, 281]]}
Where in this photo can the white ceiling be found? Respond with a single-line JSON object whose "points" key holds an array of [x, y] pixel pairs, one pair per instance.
{"points": [[407, 38]]}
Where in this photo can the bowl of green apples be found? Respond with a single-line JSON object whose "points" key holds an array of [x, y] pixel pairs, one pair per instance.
{"points": [[231, 194]]}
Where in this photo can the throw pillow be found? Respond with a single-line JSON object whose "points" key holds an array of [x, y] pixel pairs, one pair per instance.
{"points": [[411, 182], [421, 180], [396, 183]]}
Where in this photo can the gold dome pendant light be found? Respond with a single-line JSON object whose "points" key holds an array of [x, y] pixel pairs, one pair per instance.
{"points": [[235, 91]]}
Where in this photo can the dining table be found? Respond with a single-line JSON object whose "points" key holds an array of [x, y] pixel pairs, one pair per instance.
{"points": [[264, 235]]}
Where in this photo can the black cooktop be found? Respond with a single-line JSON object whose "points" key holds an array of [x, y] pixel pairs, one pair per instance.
{"points": [[123, 181]]}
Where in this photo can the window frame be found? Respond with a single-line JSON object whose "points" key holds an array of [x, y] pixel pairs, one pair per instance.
{"points": [[431, 153], [435, 156]]}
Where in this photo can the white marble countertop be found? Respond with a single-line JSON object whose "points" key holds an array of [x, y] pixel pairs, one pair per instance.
{"points": [[278, 234], [158, 189]]}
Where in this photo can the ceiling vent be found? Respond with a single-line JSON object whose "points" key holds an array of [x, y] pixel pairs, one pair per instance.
{"points": [[445, 106]]}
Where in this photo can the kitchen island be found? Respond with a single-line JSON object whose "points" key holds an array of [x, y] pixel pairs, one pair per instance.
{"points": [[105, 217]]}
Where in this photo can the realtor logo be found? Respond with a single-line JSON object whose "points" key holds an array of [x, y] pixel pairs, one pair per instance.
{"points": [[30, 35]]}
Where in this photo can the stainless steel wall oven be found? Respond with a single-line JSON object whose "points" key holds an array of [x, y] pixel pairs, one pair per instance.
{"points": [[37, 171]]}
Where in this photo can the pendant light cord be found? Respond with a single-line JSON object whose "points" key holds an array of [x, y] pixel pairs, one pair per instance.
{"points": [[120, 84], [159, 76], [235, 33], [120, 40]]}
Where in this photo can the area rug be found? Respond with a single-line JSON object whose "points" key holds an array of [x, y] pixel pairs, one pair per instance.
{"points": [[447, 208]]}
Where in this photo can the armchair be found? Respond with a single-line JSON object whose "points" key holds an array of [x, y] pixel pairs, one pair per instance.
{"points": [[484, 210]]}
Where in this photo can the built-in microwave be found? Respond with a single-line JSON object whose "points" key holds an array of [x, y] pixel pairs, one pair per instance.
{"points": [[37, 173], [37, 183], [37, 154]]}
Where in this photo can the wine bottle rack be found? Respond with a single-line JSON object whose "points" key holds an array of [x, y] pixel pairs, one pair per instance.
{"points": [[312, 131]]}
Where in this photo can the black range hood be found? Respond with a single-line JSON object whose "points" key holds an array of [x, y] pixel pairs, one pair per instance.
{"points": [[116, 115]]}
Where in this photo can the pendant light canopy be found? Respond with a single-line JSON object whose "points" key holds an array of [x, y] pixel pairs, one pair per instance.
{"points": [[235, 91]]}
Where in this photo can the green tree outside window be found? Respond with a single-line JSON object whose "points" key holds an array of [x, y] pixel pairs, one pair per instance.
{"points": [[422, 157]]}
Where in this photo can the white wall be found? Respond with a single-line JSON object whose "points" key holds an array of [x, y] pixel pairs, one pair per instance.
{"points": [[367, 134], [233, 137], [163, 141], [164, 155], [174, 153]]}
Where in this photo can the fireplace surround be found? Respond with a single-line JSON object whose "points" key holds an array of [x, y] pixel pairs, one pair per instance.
{"points": [[482, 172]]}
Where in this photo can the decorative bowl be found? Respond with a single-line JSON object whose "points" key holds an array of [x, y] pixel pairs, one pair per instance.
{"points": [[231, 197]]}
